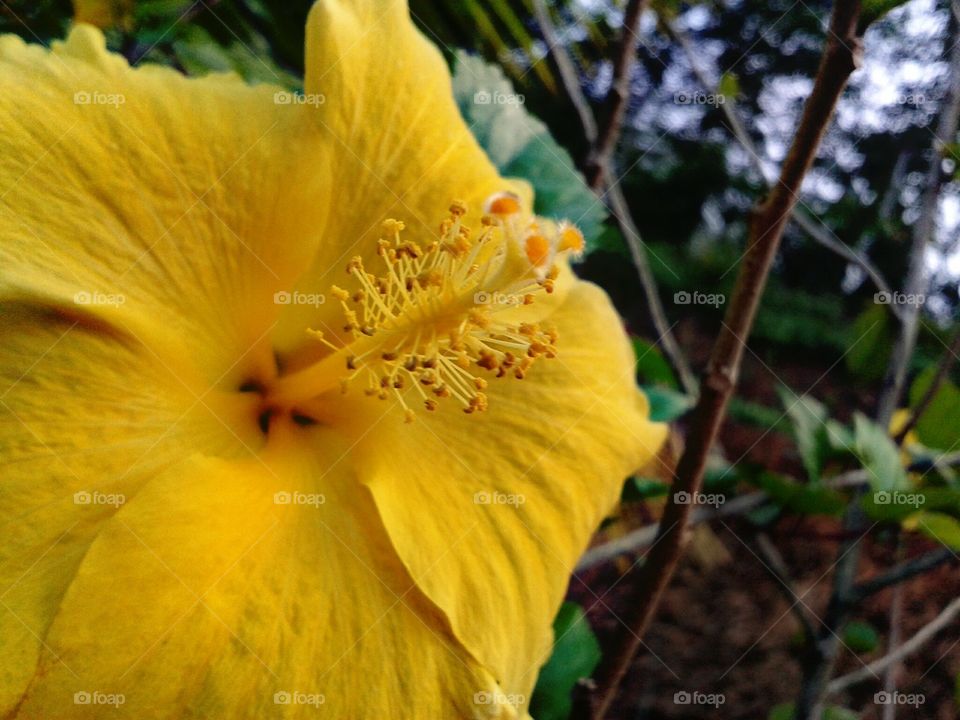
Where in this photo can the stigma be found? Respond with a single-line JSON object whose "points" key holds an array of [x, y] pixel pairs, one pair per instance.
{"points": [[432, 323]]}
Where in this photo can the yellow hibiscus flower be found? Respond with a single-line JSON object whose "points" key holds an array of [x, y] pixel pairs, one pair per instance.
{"points": [[219, 304]]}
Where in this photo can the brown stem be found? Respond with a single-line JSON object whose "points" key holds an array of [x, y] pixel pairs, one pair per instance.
{"points": [[839, 59], [615, 106], [810, 224]]}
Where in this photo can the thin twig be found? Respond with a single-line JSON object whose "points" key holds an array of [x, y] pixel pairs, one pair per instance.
{"points": [[895, 617], [839, 59], [597, 165], [811, 226], [643, 537], [566, 70], [922, 636], [901, 573], [774, 564], [943, 371], [621, 212], [613, 197], [923, 233]]}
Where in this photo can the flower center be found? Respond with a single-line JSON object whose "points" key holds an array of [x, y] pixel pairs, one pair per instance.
{"points": [[434, 320]]}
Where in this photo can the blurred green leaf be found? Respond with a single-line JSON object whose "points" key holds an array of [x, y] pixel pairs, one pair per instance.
{"points": [[809, 429], [879, 455], [666, 405], [652, 367], [873, 10], [861, 637], [521, 146], [937, 526], [729, 86], [800, 498], [637, 489], [871, 341], [939, 426], [576, 653]]}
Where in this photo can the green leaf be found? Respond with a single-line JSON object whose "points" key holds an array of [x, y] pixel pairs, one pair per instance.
{"points": [[576, 653], [809, 429], [652, 367], [666, 405], [937, 526], [861, 637], [873, 10], [871, 341], [521, 146], [729, 86], [938, 426], [879, 455], [800, 498], [636, 489]]}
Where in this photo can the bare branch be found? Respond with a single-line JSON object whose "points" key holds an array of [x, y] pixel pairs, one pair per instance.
{"points": [[777, 567], [566, 69], [766, 230], [925, 634], [621, 212], [613, 197], [901, 573], [810, 225], [923, 233], [597, 165]]}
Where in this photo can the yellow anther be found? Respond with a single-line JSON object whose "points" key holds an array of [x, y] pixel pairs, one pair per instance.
{"points": [[504, 203], [537, 249], [570, 239]]}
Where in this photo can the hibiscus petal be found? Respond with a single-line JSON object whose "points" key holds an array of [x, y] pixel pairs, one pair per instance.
{"points": [[171, 206], [524, 485], [403, 150], [206, 597], [87, 417]]}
